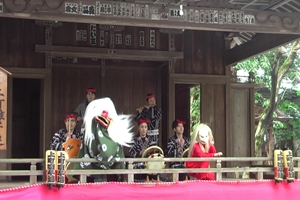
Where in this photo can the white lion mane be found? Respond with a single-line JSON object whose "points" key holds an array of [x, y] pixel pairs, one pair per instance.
{"points": [[119, 128]]}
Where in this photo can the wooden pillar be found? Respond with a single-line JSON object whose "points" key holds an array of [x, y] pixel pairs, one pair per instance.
{"points": [[171, 98], [252, 122], [228, 114], [46, 97], [46, 89]]}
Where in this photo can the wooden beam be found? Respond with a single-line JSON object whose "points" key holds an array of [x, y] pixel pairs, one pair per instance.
{"points": [[153, 15], [105, 53], [246, 85], [199, 79], [28, 72], [89, 66], [257, 46]]}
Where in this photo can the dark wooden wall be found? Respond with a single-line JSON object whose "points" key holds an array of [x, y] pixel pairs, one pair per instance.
{"points": [[213, 112], [182, 105], [65, 35], [68, 90], [127, 87], [18, 39], [125, 82], [204, 55]]}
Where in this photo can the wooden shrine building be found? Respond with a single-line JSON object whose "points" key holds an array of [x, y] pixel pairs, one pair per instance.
{"points": [[126, 49]]}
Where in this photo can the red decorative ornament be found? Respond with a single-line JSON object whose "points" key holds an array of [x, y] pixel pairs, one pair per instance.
{"points": [[150, 96], [103, 119], [144, 121], [180, 122], [73, 116], [90, 90], [104, 113]]}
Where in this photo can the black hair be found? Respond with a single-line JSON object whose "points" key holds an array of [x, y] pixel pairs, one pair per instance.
{"points": [[174, 124]]}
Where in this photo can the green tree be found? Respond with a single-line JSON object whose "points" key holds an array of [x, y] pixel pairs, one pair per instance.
{"points": [[272, 68], [291, 129], [195, 106]]}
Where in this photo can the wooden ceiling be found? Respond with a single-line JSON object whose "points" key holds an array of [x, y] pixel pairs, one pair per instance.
{"points": [[275, 5], [241, 20], [161, 11], [237, 38], [291, 6]]}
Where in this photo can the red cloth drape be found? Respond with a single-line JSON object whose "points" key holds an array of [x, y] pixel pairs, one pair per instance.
{"points": [[248, 190]]}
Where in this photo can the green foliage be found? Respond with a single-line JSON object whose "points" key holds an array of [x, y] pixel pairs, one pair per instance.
{"points": [[195, 106], [262, 66], [259, 99], [291, 129]]}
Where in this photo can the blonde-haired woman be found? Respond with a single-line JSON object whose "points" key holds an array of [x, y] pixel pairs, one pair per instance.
{"points": [[202, 145]]}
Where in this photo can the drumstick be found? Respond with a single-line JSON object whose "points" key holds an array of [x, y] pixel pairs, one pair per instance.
{"points": [[69, 131], [69, 126]]}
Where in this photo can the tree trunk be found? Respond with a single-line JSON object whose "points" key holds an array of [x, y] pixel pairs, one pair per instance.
{"points": [[277, 73]]}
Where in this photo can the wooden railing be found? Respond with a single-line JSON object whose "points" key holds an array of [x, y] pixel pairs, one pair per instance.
{"points": [[220, 168]]}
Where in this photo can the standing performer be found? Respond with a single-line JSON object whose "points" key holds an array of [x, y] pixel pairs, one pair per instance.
{"points": [[106, 133], [141, 143], [90, 96], [177, 144], [202, 145], [64, 134], [153, 113]]}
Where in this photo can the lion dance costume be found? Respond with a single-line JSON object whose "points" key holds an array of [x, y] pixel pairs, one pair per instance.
{"points": [[106, 133]]}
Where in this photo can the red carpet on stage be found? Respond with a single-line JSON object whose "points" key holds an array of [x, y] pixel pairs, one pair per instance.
{"points": [[233, 190]]}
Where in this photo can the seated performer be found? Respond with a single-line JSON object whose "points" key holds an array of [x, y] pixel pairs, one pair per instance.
{"points": [[177, 144], [141, 142], [64, 134], [202, 145], [106, 132], [153, 113]]}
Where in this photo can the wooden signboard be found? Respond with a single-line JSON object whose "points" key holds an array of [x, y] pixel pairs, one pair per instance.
{"points": [[3, 107]]}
